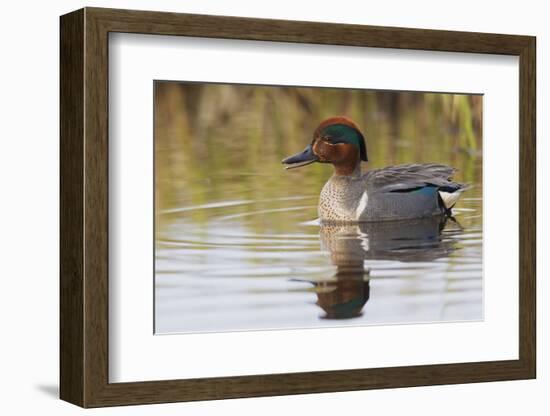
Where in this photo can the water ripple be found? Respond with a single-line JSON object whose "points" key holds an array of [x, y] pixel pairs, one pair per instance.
{"points": [[267, 263]]}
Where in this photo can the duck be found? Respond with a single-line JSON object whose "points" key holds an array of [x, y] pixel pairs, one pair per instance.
{"points": [[351, 195]]}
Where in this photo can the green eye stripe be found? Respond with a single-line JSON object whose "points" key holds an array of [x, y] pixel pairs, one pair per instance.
{"points": [[340, 133]]}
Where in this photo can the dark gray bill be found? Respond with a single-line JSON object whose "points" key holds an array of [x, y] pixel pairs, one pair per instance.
{"points": [[303, 158]]}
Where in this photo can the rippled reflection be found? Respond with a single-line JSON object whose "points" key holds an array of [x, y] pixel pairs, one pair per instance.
{"points": [[241, 270], [345, 293]]}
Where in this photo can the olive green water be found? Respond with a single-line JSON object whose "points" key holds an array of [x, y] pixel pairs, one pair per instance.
{"points": [[238, 246]]}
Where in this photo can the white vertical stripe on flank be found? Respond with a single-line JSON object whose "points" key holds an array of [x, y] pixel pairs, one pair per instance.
{"points": [[362, 205]]}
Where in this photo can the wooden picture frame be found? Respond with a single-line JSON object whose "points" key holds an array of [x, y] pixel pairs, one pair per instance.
{"points": [[84, 207]]}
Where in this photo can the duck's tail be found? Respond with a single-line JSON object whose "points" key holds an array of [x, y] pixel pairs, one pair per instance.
{"points": [[448, 196]]}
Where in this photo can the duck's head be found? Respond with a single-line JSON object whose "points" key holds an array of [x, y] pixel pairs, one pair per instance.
{"points": [[337, 140]]}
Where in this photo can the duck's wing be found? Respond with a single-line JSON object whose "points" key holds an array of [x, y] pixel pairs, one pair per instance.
{"points": [[411, 177]]}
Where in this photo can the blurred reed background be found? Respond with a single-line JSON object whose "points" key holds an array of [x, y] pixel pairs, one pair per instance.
{"points": [[204, 130]]}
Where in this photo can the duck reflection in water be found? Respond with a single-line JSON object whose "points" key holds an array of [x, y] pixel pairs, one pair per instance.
{"points": [[344, 294]]}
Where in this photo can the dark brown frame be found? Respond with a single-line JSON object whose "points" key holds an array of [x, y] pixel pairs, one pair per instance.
{"points": [[84, 207]]}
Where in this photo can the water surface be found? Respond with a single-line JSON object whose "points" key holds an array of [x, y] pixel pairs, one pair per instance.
{"points": [[238, 272]]}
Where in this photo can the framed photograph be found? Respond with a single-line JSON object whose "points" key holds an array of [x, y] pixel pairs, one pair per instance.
{"points": [[255, 207]]}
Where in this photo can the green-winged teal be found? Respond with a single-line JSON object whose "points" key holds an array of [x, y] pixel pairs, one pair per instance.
{"points": [[392, 193]]}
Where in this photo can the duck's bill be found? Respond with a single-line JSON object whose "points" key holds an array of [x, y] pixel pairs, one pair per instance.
{"points": [[303, 158]]}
